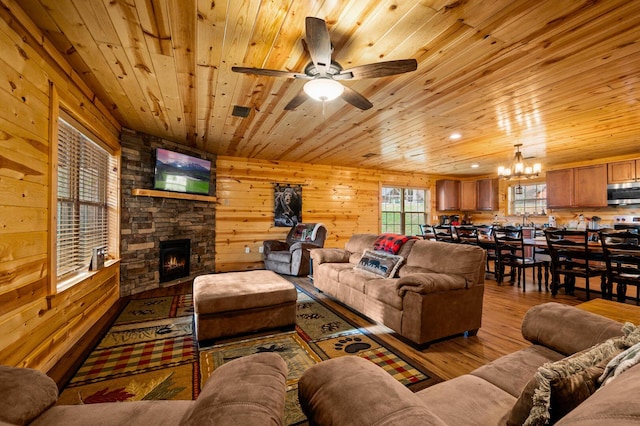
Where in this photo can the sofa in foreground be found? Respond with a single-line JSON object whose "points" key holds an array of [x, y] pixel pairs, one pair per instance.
{"points": [[427, 290], [246, 391], [556, 379]]}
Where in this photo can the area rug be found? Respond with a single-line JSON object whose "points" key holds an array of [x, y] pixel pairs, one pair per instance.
{"points": [[321, 333], [151, 353]]}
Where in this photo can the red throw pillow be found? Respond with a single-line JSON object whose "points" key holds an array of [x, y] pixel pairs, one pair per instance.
{"points": [[391, 243]]}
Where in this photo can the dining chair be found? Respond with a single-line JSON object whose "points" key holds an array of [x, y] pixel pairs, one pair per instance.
{"points": [[571, 258], [443, 233], [511, 252], [426, 232], [621, 250], [466, 234], [485, 240]]}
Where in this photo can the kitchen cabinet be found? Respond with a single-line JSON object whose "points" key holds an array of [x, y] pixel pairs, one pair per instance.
{"points": [[577, 187], [487, 194], [447, 195], [623, 171], [468, 191]]}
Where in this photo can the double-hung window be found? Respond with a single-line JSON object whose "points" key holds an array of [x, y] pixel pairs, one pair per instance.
{"points": [[528, 199], [403, 210], [86, 187]]}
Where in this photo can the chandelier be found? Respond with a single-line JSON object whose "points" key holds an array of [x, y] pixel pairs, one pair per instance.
{"points": [[519, 169]]}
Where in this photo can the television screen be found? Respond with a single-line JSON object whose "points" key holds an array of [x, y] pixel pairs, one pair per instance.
{"points": [[181, 173]]}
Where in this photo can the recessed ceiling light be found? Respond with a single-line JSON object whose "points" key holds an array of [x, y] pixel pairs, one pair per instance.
{"points": [[475, 166], [455, 136]]}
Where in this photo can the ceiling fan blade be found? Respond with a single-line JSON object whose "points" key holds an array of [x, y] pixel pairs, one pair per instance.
{"points": [[355, 98], [296, 102], [268, 72], [382, 69], [319, 44]]}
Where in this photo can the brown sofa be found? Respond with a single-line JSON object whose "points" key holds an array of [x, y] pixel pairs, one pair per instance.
{"points": [[437, 291], [249, 390], [501, 392]]}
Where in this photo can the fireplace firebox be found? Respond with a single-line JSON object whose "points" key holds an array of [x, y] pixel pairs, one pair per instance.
{"points": [[174, 259]]}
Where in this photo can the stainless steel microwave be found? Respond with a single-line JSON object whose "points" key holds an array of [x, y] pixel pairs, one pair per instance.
{"points": [[621, 194]]}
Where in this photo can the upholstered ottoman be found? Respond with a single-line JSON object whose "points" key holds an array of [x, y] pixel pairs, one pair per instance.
{"points": [[241, 302]]}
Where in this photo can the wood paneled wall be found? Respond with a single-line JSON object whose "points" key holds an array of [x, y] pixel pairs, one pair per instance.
{"points": [[346, 200], [37, 326]]}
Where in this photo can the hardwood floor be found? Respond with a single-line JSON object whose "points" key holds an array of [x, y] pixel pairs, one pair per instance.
{"points": [[504, 308]]}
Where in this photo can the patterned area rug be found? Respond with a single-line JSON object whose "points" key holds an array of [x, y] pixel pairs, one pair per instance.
{"points": [[150, 353]]}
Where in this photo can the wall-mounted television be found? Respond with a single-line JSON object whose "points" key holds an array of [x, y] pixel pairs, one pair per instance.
{"points": [[181, 173]]}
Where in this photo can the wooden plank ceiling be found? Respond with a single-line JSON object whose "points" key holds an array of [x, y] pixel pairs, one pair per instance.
{"points": [[559, 76]]}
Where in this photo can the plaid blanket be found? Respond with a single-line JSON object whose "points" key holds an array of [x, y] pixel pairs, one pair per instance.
{"points": [[391, 243]]}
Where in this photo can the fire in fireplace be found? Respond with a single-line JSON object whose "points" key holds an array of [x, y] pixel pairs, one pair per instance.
{"points": [[174, 259]]}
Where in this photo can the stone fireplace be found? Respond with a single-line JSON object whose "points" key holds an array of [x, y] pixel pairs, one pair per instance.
{"points": [[174, 259], [147, 222]]}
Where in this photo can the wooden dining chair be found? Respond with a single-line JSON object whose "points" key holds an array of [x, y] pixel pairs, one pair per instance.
{"points": [[485, 240], [570, 258], [511, 252], [621, 250], [466, 234], [443, 233]]}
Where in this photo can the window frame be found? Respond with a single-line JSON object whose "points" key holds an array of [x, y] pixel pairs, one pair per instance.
{"points": [[109, 143], [402, 212], [512, 199]]}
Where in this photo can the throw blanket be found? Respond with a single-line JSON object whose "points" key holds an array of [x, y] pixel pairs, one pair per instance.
{"points": [[391, 243], [306, 231], [620, 364]]}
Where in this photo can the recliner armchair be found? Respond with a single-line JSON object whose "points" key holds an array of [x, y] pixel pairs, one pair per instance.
{"points": [[291, 257]]}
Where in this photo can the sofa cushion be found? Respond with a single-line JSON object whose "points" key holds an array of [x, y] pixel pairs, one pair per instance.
{"points": [[329, 255], [446, 258], [357, 244], [26, 393], [383, 290], [467, 400], [512, 371], [355, 278], [380, 263]]}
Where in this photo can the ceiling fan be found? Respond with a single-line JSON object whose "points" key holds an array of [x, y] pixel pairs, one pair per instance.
{"points": [[324, 75]]}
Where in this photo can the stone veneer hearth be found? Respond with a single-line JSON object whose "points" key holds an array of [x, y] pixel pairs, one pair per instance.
{"points": [[145, 221]]}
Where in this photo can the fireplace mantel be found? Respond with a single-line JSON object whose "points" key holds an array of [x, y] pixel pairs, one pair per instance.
{"points": [[168, 194]]}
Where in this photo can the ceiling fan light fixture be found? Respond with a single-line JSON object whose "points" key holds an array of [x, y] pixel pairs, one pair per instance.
{"points": [[323, 89]]}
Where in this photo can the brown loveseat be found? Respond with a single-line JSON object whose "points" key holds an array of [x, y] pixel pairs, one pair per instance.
{"points": [[249, 391], [501, 392], [436, 292]]}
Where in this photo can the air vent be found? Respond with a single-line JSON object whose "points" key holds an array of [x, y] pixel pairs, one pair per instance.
{"points": [[241, 111], [369, 155]]}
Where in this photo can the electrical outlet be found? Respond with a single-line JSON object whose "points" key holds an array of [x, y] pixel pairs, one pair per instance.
{"points": [[247, 250], [260, 249]]}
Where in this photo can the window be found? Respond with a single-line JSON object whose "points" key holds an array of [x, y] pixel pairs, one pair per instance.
{"points": [[403, 210], [531, 200], [87, 185]]}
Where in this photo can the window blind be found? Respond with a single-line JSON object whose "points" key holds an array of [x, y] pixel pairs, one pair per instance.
{"points": [[83, 179]]}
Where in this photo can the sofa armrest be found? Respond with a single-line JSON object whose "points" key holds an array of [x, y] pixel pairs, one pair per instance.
{"points": [[567, 329], [25, 394], [429, 282], [274, 245], [302, 245], [246, 391], [330, 255], [353, 390]]}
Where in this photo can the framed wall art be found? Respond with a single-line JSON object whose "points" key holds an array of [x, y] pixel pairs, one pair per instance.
{"points": [[287, 204]]}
